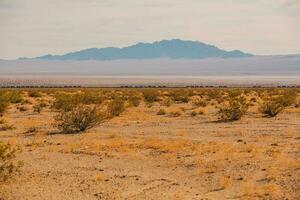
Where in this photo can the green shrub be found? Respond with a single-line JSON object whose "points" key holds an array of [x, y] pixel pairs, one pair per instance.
{"points": [[116, 107], [80, 118], [8, 164], [234, 110]]}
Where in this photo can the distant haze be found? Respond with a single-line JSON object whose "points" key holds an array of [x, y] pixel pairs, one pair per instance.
{"points": [[29, 28], [258, 65]]}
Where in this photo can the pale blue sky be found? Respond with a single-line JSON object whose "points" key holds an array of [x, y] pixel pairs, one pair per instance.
{"points": [[37, 27]]}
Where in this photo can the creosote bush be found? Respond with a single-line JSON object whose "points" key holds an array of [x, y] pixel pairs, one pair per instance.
{"points": [[34, 93], [116, 107], [8, 164], [66, 101], [80, 118], [273, 106], [151, 96], [180, 96], [199, 103], [134, 101], [234, 110]]}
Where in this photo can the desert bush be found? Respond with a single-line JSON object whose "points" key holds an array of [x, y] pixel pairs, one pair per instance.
{"points": [[32, 129], [5, 127], [167, 102], [134, 101], [116, 107], [273, 106], [3, 105], [234, 93], [22, 108], [151, 96], [80, 118], [199, 103], [14, 97], [8, 164], [194, 113], [214, 94], [234, 110], [161, 112], [66, 101], [180, 96], [175, 114], [34, 93], [37, 108]]}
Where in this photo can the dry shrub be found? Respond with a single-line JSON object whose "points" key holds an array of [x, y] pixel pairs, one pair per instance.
{"points": [[151, 96], [134, 101], [214, 94], [5, 127], [3, 105], [194, 113], [175, 114], [199, 103], [78, 119], [66, 101], [15, 97], [273, 106], [34, 93], [167, 102], [180, 96], [116, 107], [8, 164], [234, 110], [22, 108], [161, 112]]}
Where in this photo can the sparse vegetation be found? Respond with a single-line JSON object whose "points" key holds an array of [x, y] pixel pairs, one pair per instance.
{"points": [[161, 112], [234, 110], [34, 93], [273, 106], [220, 157], [116, 107], [151, 96], [8, 164], [78, 119], [134, 101]]}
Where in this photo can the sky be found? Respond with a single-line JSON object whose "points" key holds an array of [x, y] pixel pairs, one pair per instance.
{"points": [[30, 28]]}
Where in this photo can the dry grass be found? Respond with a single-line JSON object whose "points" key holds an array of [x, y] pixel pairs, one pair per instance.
{"points": [[144, 153]]}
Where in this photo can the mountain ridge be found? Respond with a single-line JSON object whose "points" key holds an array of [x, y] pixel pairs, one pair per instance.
{"points": [[171, 49]]}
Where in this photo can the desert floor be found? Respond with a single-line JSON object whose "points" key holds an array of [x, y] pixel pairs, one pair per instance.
{"points": [[142, 155]]}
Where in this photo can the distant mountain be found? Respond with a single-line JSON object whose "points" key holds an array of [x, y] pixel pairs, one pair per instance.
{"points": [[171, 49]]}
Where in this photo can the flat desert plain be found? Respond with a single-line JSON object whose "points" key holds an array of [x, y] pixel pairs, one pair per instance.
{"points": [[162, 144]]}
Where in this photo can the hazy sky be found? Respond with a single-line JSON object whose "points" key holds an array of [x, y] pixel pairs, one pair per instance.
{"points": [[37, 27]]}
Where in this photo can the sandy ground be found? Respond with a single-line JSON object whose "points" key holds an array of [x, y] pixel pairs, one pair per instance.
{"points": [[141, 155]]}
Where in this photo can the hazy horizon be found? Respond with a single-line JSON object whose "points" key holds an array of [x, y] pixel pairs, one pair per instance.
{"points": [[32, 28]]}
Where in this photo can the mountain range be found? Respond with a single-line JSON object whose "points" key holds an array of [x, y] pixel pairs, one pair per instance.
{"points": [[170, 49]]}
